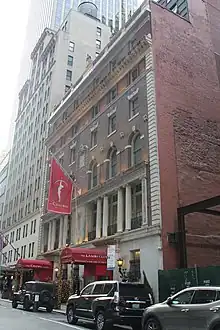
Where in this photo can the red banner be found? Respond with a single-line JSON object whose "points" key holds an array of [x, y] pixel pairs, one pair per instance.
{"points": [[60, 191]]}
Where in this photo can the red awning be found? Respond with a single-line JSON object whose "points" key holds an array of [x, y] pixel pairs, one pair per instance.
{"points": [[34, 264], [83, 256]]}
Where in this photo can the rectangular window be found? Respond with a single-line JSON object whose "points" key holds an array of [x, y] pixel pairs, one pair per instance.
{"points": [[112, 123], [112, 94], [99, 31], [71, 46], [94, 138], [34, 227], [32, 249], [133, 107], [68, 75], [29, 250], [70, 60], [72, 155], [95, 111], [98, 44]]}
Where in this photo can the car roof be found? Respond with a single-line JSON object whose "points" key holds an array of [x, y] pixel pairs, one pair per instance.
{"points": [[102, 282], [38, 282], [201, 288], [112, 281]]}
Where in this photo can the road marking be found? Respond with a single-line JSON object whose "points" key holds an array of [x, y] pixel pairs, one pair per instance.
{"points": [[61, 323]]}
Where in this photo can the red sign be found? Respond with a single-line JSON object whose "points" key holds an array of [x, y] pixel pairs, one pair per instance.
{"points": [[60, 191]]}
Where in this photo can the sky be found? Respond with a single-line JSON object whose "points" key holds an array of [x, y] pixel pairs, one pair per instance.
{"points": [[13, 21]]}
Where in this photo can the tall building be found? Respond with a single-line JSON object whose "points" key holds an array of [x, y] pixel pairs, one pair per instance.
{"points": [[51, 14], [146, 162], [58, 60], [4, 163]]}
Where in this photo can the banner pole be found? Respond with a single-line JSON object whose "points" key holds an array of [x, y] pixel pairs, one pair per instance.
{"points": [[62, 168]]}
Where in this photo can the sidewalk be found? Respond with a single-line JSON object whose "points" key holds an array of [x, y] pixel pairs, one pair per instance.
{"points": [[62, 310]]}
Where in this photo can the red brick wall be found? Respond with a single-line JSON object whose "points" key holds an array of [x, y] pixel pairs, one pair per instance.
{"points": [[188, 102]]}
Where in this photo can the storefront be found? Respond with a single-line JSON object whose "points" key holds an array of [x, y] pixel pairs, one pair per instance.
{"points": [[94, 262], [29, 269]]}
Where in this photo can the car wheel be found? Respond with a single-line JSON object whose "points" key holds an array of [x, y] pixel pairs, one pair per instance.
{"points": [[100, 321], [70, 314], [217, 327], [49, 309], [26, 305], [152, 324], [14, 304]]}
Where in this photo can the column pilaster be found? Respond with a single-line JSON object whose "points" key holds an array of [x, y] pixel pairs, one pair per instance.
{"points": [[61, 232], [105, 217], [53, 234], [144, 201], [128, 208], [120, 210], [65, 228], [49, 236], [98, 218]]}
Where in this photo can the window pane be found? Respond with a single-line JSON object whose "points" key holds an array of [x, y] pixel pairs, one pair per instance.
{"points": [[204, 297], [108, 287], [87, 290], [98, 289], [183, 298]]}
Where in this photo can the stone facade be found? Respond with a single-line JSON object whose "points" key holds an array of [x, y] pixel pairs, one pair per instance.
{"points": [[104, 133]]}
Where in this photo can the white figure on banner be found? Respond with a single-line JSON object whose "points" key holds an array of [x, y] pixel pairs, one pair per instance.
{"points": [[59, 189]]}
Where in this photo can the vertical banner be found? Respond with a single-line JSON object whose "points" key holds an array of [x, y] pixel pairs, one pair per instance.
{"points": [[111, 257], [60, 191]]}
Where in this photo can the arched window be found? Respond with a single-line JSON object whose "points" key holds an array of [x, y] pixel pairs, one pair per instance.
{"points": [[113, 163], [93, 175], [136, 149]]}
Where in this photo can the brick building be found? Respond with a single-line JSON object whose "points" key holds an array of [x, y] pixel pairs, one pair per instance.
{"points": [[140, 132]]}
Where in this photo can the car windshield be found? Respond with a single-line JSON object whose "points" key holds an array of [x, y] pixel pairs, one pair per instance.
{"points": [[133, 290]]}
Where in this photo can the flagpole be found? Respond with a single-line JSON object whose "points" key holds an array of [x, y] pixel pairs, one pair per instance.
{"points": [[62, 168]]}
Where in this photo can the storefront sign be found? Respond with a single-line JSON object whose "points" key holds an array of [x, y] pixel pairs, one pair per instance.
{"points": [[111, 257]]}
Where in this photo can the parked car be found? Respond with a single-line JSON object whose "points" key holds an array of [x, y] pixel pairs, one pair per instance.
{"points": [[35, 294], [109, 302], [195, 308]]}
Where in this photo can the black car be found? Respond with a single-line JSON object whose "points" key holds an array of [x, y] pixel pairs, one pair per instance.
{"points": [[109, 302], [35, 294]]}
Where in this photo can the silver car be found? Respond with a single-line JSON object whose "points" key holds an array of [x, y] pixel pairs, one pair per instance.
{"points": [[195, 308]]}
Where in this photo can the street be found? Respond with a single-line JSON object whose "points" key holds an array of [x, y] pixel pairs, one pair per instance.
{"points": [[18, 319]]}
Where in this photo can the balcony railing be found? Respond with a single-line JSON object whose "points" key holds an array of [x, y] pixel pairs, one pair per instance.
{"points": [[91, 235], [136, 222], [112, 229]]}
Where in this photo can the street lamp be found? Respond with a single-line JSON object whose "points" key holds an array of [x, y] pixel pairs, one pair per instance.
{"points": [[122, 271]]}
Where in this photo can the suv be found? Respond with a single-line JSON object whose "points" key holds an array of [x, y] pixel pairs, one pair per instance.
{"points": [[192, 308], [35, 294], [109, 302]]}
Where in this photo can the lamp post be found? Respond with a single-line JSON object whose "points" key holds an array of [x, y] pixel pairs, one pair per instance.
{"points": [[122, 271]]}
